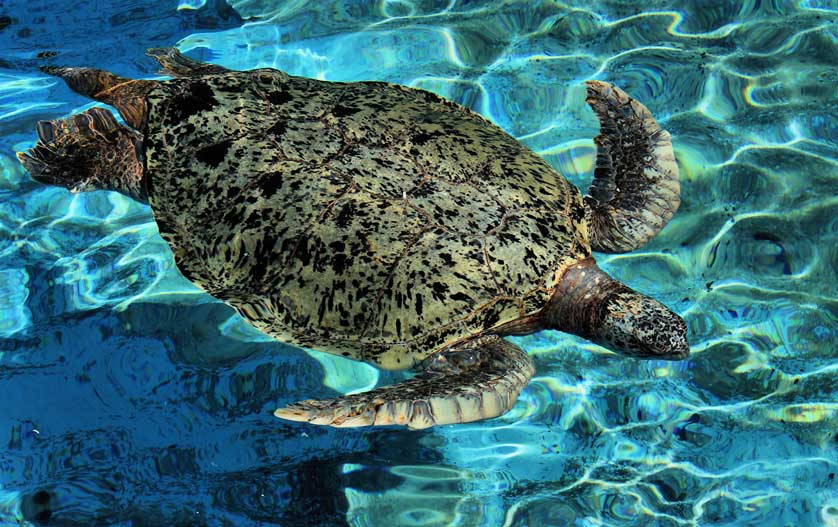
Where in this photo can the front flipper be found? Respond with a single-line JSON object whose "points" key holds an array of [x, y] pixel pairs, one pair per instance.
{"points": [[635, 189], [478, 379], [177, 64]]}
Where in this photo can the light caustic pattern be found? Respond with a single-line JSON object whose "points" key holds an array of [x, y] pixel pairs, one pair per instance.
{"points": [[745, 432]]}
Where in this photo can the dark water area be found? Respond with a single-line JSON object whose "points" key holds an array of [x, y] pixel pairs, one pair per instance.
{"points": [[128, 397]]}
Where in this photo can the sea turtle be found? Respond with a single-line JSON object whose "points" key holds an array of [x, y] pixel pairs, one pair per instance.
{"points": [[379, 222]]}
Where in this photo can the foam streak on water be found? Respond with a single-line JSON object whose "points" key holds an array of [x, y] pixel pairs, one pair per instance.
{"points": [[129, 395]]}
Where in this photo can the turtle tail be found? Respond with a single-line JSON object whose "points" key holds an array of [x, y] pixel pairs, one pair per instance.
{"points": [[87, 151], [635, 190], [478, 379]]}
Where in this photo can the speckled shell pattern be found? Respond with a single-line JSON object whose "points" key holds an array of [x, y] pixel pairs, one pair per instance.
{"points": [[365, 219]]}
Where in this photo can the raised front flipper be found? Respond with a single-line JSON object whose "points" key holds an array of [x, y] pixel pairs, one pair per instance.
{"points": [[476, 380], [635, 189], [177, 64]]}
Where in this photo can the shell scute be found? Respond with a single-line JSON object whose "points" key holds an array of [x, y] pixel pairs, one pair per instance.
{"points": [[452, 148], [379, 171], [308, 141], [440, 281], [343, 262], [462, 209], [523, 248]]}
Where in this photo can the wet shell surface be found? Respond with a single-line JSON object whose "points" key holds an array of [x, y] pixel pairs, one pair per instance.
{"points": [[365, 219]]}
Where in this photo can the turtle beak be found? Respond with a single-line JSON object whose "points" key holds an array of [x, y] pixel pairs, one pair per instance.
{"points": [[677, 348]]}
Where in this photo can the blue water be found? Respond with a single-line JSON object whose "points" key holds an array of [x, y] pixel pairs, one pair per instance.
{"points": [[128, 397]]}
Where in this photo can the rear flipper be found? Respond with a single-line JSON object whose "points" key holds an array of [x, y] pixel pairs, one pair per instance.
{"points": [[127, 95], [635, 189], [86, 81], [87, 151], [478, 379]]}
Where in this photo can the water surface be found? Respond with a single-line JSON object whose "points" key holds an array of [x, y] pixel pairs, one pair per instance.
{"points": [[129, 397]]}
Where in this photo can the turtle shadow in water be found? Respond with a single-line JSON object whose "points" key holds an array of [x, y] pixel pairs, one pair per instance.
{"points": [[197, 332], [209, 342], [135, 422], [311, 492]]}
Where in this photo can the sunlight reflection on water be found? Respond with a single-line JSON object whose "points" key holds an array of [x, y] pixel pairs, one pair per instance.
{"points": [[743, 433]]}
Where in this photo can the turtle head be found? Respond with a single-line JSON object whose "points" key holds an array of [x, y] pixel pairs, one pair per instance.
{"points": [[87, 151], [636, 325], [591, 304]]}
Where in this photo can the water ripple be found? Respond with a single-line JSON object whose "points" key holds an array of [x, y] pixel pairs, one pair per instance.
{"points": [[743, 433]]}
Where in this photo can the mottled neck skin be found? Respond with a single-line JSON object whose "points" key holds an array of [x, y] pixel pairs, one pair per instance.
{"points": [[575, 306], [589, 303]]}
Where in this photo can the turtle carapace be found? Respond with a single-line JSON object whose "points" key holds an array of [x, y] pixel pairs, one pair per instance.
{"points": [[380, 223]]}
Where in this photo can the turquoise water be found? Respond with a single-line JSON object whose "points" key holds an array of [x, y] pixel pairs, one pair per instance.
{"points": [[129, 397]]}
